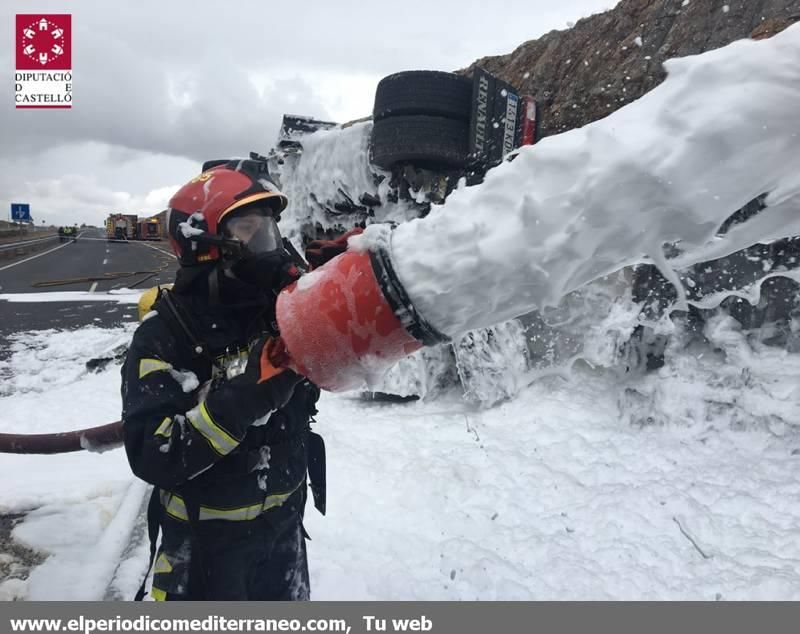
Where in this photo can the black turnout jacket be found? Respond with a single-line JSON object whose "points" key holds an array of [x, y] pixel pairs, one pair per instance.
{"points": [[216, 445]]}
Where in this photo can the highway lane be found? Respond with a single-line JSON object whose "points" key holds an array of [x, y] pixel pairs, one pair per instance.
{"points": [[90, 256], [65, 267]]}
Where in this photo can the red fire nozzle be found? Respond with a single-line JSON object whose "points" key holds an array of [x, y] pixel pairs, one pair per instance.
{"points": [[343, 324], [349, 321]]}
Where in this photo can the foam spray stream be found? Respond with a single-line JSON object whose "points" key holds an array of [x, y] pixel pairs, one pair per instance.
{"points": [[671, 167]]}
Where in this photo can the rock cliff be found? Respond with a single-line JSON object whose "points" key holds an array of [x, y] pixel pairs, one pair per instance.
{"points": [[607, 60]]}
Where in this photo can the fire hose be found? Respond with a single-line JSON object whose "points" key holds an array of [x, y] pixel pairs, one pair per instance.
{"points": [[99, 278], [92, 439], [103, 277]]}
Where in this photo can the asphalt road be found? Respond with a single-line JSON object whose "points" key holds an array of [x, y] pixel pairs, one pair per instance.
{"points": [[69, 266]]}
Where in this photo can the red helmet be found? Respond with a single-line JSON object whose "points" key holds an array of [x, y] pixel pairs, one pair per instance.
{"points": [[197, 209]]}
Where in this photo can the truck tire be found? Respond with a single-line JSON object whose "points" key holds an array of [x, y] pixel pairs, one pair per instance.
{"points": [[426, 142], [423, 92]]}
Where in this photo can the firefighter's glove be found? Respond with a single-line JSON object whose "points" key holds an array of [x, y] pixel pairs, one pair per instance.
{"points": [[289, 274], [319, 252], [266, 365]]}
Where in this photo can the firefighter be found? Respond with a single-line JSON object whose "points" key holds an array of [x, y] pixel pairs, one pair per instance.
{"points": [[210, 416]]}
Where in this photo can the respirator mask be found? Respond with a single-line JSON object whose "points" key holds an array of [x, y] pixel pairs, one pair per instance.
{"points": [[261, 256]]}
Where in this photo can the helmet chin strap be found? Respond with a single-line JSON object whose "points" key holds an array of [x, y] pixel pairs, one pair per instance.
{"points": [[225, 245]]}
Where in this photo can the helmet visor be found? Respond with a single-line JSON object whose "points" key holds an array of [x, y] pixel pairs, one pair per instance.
{"points": [[255, 228]]}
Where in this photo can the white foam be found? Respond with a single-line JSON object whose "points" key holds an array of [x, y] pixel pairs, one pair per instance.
{"points": [[670, 167]]}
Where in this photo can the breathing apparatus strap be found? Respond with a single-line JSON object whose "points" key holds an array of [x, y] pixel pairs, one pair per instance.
{"points": [[181, 327], [316, 470], [295, 255], [213, 285]]}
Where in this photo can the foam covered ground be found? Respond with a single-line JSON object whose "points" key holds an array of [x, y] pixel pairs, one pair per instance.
{"points": [[565, 492]]}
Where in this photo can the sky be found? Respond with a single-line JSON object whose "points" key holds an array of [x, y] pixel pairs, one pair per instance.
{"points": [[159, 87]]}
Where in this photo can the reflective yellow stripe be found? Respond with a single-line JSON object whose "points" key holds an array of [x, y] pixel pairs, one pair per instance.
{"points": [[162, 565], [146, 366], [219, 439], [158, 595], [233, 515], [244, 513], [174, 505], [165, 428]]}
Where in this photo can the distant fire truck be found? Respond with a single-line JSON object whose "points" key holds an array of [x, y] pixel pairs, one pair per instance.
{"points": [[131, 227], [149, 229]]}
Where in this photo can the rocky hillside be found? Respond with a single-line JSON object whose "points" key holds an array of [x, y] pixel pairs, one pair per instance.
{"points": [[607, 60]]}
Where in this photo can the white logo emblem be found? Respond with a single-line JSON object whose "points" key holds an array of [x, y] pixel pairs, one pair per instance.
{"points": [[44, 41]]}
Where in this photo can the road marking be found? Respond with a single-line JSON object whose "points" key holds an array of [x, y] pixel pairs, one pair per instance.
{"points": [[33, 257], [159, 249], [93, 286], [105, 261]]}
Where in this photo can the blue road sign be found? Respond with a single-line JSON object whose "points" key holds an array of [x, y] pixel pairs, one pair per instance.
{"points": [[20, 211]]}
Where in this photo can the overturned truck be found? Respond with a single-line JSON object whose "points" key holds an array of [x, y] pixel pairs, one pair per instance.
{"points": [[430, 132]]}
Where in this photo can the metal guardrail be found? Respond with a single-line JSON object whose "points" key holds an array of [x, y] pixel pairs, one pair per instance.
{"points": [[25, 243], [24, 247]]}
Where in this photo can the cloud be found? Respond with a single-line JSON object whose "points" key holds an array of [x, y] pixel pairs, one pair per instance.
{"points": [[161, 86], [191, 112], [178, 77], [77, 198], [61, 190]]}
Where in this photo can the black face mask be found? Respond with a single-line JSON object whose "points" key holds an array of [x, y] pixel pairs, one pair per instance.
{"points": [[265, 271]]}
